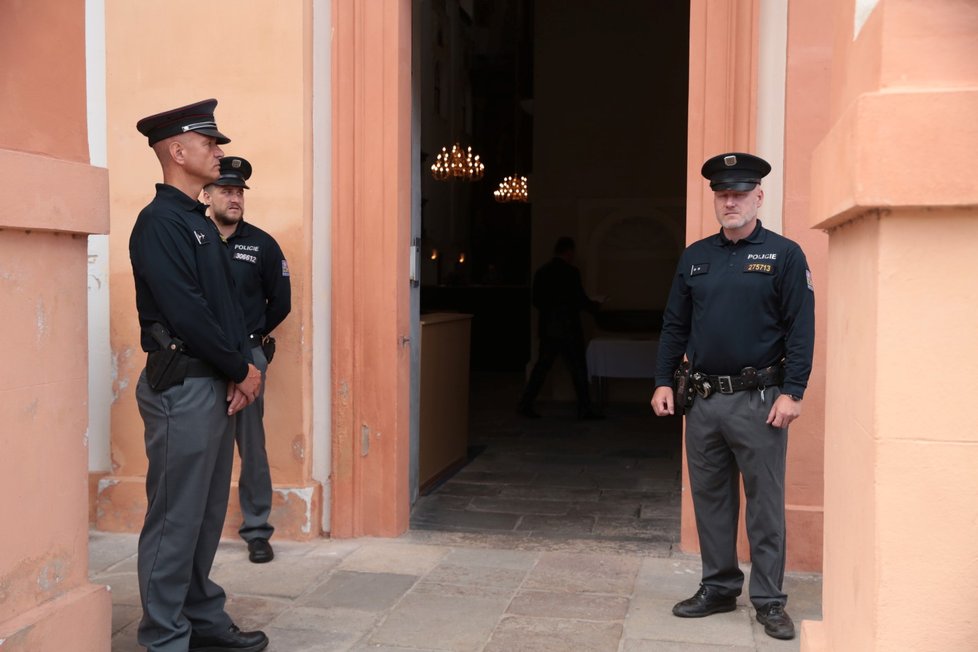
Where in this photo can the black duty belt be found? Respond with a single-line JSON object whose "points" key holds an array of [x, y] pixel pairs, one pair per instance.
{"points": [[197, 368], [749, 378]]}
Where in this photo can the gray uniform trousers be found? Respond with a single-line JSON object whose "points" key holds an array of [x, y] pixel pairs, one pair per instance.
{"points": [[726, 433], [190, 447], [255, 480]]}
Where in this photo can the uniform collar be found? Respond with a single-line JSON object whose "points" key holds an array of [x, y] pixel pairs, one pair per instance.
{"points": [[757, 236], [178, 197], [241, 230]]}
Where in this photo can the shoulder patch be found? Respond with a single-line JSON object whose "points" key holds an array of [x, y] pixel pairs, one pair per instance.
{"points": [[808, 279], [285, 268], [699, 268]]}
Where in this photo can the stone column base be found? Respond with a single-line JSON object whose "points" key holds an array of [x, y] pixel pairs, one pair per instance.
{"points": [[77, 620], [120, 506]]}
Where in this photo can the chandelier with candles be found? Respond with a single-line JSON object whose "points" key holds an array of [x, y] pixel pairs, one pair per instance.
{"points": [[457, 164], [513, 188]]}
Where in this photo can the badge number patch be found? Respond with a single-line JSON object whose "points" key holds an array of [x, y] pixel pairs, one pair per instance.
{"points": [[808, 279], [761, 268], [699, 268], [285, 268]]}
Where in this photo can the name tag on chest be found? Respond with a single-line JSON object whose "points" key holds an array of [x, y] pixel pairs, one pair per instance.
{"points": [[759, 268]]}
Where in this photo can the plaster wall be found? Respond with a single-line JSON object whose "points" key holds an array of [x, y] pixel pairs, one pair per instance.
{"points": [[900, 519], [53, 199], [265, 108]]}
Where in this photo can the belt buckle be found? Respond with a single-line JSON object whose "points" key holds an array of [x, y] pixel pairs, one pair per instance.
{"points": [[726, 385]]}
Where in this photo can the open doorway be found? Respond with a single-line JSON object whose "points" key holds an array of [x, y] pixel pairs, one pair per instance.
{"points": [[588, 100]]}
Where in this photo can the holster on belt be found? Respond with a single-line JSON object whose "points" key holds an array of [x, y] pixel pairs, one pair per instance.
{"points": [[268, 347], [166, 367], [682, 388]]}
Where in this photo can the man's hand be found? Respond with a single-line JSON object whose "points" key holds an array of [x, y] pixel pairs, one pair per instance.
{"points": [[237, 400], [662, 401], [784, 411], [251, 385]]}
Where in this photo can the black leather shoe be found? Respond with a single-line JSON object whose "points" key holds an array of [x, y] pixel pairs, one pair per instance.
{"points": [[707, 600], [234, 640], [777, 623], [260, 551]]}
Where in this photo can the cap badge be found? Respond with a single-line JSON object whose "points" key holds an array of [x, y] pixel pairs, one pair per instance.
{"points": [[236, 163], [730, 161]]}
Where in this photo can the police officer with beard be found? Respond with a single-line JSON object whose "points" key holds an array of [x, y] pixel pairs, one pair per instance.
{"points": [[199, 374], [741, 310], [261, 274]]}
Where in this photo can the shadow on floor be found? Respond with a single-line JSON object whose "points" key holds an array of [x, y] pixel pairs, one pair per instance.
{"points": [[616, 479]]}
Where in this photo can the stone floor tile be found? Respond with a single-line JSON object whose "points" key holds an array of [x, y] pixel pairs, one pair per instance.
{"points": [[636, 645], [607, 508], [379, 556], [478, 521], [333, 548], [125, 639], [364, 591], [504, 477], [305, 640], [519, 506], [106, 550], [491, 558], [553, 635], [254, 613], [283, 577], [551, 479], [651, 619], [668, 579], [444, 617], [569, 494], [438, 501], [764, 643], [583, 606], [656, 530], [124, 615], [334, 619], [372, 647], [124, 587], [506, 578], [551, 525], [460, 488], [591, 573]]}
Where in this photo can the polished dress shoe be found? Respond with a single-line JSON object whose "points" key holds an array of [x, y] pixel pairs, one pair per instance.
{"points": [[233, 640], [777, 623], [708, 600], [260, 551]]}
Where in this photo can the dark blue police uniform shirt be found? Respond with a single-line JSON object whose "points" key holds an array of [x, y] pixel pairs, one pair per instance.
{"points": [[183, 280], [262, 276], [740, 304]]}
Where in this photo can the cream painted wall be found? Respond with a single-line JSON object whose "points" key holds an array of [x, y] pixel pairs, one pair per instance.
{"points": [[772, 64]]}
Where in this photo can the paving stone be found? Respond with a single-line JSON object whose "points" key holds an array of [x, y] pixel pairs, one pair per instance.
{"points": [[668, 579], [570, 494], [106, 550], [607, 508], [563, 572], [484, 477], [445, 617], [124, 587], [394, 557], [520, 506], [453, 488], [334, 619], [125, 639], [635, 645], [477, 576], [514, 559], [583, 606], [666, 508], [657, 529], [305, 640], [553, 635], [364, 591], [254, 613], [124, 615], [652, 619], [441, 501], [563, 525], [282, 577], [479, 521], [370, 647], [565, 480]]}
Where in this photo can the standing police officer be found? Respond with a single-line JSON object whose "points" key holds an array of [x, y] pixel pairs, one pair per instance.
{"points": [[741, 310], [198, 374], [262, 277]]}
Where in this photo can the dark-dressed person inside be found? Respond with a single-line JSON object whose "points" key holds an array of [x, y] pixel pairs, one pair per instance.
{"points": [[742, 311], [261, 274], [199, 374], [559, 297]]}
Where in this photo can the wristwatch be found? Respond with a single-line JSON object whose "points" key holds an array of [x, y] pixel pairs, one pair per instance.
{"points": [[792, 397]]}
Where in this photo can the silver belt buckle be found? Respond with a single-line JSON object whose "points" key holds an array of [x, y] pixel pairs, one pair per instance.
{"points": [[726, 385]]}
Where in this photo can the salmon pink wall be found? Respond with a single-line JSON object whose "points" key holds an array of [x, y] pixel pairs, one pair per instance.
{"points": [[892, 183], [258, 64], [52, 198]]}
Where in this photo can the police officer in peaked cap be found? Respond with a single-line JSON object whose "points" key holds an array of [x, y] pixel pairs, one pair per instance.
{"points": [[261, 274], [741, 311], [199, 374]]}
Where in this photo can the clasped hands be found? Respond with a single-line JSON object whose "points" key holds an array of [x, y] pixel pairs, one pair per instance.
{"points": [[240, 395]]}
